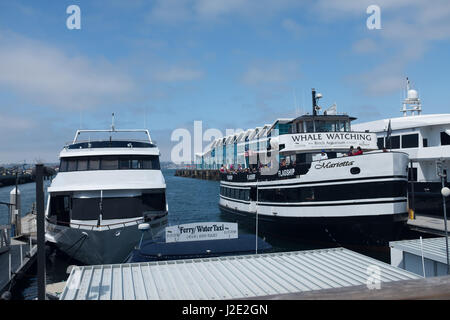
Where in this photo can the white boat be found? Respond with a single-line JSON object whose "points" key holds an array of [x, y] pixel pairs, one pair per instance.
{"points": [[359, 199], [102, 192], [426, 139]]}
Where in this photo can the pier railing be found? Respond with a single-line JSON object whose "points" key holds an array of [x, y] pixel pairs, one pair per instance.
{"points": [[4, 238]]}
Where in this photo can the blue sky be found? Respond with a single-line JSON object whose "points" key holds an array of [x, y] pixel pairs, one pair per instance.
{"points": [[231, 64]]}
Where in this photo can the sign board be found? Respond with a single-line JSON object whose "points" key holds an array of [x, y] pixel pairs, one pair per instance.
{"points": [[328, 140], [201, 231]]}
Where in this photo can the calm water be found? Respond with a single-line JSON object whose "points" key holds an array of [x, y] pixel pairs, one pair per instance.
{"points": [[190, 200]]}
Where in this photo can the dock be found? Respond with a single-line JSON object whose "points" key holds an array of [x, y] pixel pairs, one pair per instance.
{"points": [[15, 261], [17, 254], [257, 276], [428, 224], [203, 174]]}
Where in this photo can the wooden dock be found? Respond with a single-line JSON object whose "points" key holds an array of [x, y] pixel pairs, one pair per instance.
{"points": [[428, 224], [198, 174]]}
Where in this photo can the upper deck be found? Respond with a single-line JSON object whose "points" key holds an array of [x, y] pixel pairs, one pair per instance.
{"points": [[323, 132], [110, 145]]}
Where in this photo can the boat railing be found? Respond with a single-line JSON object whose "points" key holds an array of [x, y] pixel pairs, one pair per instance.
{"points": [[101, 227], [112, 130], [283, 172]]}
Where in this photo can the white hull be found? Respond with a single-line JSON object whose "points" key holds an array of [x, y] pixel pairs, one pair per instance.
{"points": [[376, 169], [100, 246]]}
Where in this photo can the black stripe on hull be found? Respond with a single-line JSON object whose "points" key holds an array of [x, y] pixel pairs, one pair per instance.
{"points": [[355, 230], [261, 182]]}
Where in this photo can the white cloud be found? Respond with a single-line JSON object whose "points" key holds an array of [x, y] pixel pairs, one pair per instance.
{"points": [[271, 72], [46, 75], [365, 45], [172, 12], [176, 74], [8, 123], [292, 26], [409, 28]]}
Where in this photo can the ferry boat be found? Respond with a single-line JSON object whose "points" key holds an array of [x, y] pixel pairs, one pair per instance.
{"points": [[426, 139], [104, 189], [311, 186]]}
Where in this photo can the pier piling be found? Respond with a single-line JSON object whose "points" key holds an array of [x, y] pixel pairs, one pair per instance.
{"points": [[40, 230]]}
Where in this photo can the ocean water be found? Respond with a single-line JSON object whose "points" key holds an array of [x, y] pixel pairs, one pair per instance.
{"points": [[190, 200]]}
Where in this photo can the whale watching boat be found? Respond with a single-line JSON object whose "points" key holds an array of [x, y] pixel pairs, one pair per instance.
{"points": [[104, 189], [301, 178], [426, 138]]}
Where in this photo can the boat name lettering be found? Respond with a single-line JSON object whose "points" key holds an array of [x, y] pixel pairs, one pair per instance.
{"points": [[329, 164], [201, 228], [286, 172], [331, 136], [201, 231]]}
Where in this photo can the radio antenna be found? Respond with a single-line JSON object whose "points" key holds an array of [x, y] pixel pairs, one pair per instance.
{"points": [[112, 123]]}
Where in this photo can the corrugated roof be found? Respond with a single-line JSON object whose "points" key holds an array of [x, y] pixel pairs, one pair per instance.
{"points": [[433, 248], [227, 277]]}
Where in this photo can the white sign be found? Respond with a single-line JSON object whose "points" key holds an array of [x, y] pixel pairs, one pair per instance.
{"points": [[328, 140], [202, 231]]}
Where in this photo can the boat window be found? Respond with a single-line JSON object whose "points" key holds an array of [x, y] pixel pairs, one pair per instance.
{"points": [[445, 138], [309, 126], [325, 126], [341, 126], [124, 164], [72, 165], [117, 207], [60, 207], [82, 165], [94, 163], [154, 201], [63, 165], [369, 190], [136, 164], [393, 142], [109, 163], [380, 143], [410, 140], [425, 143]]}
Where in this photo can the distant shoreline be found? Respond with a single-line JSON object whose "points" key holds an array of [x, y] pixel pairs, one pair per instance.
{"points": [[10, 180]]}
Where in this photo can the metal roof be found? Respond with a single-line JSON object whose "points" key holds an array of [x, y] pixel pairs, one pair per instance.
{"points": [[227, 277], [433, 248]]}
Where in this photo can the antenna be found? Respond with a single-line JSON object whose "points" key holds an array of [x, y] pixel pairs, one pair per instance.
{"points": [[112, 123], [295, 103], [145, 117], [411, 103]]}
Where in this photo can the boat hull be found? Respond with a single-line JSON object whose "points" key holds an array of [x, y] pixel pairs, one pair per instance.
{"points": [[355, 230], [94, 247], [360, 200]]}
